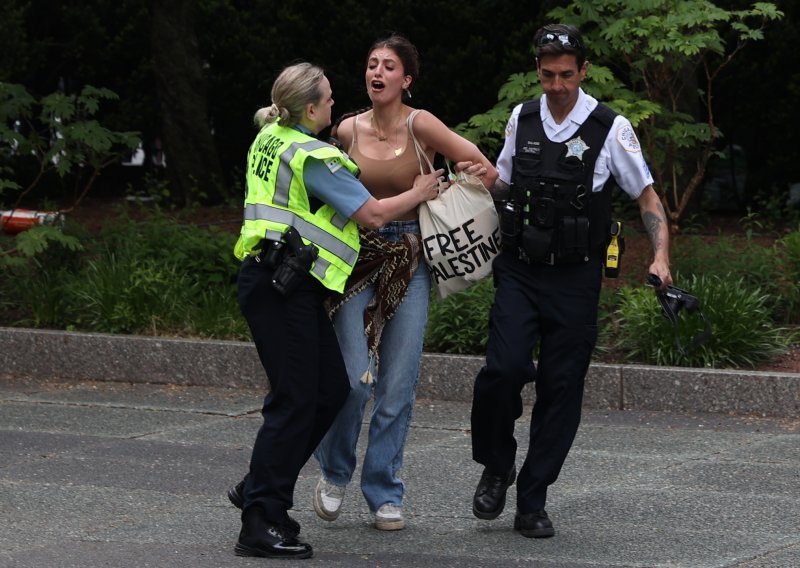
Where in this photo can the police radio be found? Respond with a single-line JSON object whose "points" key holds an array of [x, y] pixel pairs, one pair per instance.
{"points": [[616, 246], [510, 224]]}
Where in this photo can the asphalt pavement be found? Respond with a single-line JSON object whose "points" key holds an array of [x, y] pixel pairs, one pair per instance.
{"points": [[135, 475]]}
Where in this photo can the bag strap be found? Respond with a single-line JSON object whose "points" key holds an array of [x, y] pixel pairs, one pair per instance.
{"points": [[421, 155]]}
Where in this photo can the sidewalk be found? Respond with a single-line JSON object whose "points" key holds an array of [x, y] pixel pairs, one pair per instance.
{"points": [[134, 475], [70, 356]]}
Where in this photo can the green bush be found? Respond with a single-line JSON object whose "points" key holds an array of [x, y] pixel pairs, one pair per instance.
{"points": [[32, 287], [60, 135], [214, 313], [606, 322], [149, 277], [166, 277], [790, 246], [459, 324], [743, 333], [33, 295], [771, 202], [128, 295], [788, 249], [204, 253], [741, 258]]}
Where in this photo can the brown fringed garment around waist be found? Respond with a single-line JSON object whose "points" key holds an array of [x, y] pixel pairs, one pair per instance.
{"points": [[390, 265]]}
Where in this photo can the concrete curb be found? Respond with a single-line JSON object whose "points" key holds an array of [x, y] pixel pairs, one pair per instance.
{"points": [[64, 356]]}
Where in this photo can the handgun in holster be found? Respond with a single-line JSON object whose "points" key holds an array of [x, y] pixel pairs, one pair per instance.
{"points": [[297, 261]]}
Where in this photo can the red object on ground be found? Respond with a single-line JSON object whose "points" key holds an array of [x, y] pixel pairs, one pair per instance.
{"points": [[18, 220]]}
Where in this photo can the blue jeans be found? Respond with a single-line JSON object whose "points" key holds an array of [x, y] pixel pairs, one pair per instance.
{"points": [[394, 386]]}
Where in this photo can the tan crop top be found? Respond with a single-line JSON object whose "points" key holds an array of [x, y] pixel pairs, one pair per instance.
{"points": [[386, 178]]}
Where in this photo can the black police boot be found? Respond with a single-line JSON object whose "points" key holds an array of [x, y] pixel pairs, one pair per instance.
{"points": [[236, 497], [267, 540], [534, 525], [490, 495]]}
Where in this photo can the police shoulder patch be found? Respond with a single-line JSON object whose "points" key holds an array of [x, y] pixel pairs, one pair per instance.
{"points": [[333, 164], [627, 139]]}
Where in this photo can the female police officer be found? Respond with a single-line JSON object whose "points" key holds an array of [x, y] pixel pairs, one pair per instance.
{"points": [[298, 242]]}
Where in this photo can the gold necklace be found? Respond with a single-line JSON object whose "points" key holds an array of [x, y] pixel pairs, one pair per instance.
{"points": [[385, 137]]}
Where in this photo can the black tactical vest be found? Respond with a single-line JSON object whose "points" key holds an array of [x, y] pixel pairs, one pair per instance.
{"points": [[563, 221]]}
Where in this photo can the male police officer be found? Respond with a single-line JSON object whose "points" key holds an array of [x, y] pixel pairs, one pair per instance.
{"points": [[562, 155]]}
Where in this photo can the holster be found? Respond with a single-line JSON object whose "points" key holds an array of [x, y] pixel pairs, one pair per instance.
{"points": [[296, 263]]}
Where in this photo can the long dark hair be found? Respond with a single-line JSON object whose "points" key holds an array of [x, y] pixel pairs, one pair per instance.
{"points": [[405, 50], [409, 57]]}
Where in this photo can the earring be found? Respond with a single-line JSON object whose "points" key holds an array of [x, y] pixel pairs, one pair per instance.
{"points": [[407, 92]]}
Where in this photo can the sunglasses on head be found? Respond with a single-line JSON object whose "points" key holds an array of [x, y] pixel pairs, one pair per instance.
{"points": [[563, 39]]}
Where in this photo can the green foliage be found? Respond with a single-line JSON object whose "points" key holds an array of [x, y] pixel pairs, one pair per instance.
{"points": [[214, 313], [129, 295], [62, 133], [606, 321], [487, 129], [109, 43], [206, 253], [743, 334], [790, 244], [158, 276], [153, 189], [459, 324], [773, 203], [62, 136], [148, 277], [669, 53], [34, 242], [38, 239], [788, 250], [734, 258]]}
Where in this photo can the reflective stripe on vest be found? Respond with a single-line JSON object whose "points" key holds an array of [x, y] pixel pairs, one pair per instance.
{"points": [[285, 176], [262, 212], [285, 173]]}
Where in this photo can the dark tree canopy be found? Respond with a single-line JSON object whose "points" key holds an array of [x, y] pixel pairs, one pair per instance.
{"points": [[181, 88], [193, 73]]}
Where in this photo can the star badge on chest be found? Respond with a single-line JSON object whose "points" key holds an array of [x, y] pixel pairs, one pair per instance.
{"points": [[576, 147]]}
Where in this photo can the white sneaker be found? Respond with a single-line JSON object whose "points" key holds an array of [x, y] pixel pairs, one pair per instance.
{"points": [[389, 518], [328, 499]]}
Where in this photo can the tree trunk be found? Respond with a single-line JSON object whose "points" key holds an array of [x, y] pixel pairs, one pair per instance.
{"points": [[191, 156]]}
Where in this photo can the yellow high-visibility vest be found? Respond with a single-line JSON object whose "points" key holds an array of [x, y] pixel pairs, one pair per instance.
{"points": [[277, 198]]}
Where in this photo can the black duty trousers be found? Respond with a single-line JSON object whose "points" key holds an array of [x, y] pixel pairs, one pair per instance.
{"points": [[308, 383], [555, 306]]}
